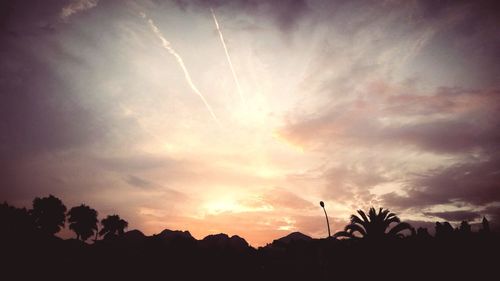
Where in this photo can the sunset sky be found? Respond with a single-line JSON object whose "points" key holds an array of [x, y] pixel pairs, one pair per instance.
{"points": [[390, 104]]}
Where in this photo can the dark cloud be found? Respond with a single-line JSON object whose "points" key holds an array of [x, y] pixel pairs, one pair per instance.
{"points": [[285, 13], [135, 163], [432, 10], [28, 17], [466, 27], [466, 121], [38, 113], [138, 181], [476, 183], [41, 104], [455, 215], [492, 214], [453, 136]]}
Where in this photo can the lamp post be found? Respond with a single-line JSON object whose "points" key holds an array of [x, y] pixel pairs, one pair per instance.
{"points": [[327, 222]]}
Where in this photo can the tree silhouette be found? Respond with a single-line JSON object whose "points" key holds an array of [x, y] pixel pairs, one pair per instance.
{"points": [[465, 228], [113, 226], [15, 222], [444, 230], [49, 214], [375, 225], [486, 226], [83, 221], [451, 254], [423, 233]]}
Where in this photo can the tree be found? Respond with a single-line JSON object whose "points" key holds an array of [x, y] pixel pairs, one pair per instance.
{"points": [[486, 226], [113, 226], [83, 221], [375, 225], [49, 214], [15, 223], [423, 233], [444, 229], [465, 228]]}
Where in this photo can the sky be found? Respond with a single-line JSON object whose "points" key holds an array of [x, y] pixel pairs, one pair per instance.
{"points": [[146, 109]]}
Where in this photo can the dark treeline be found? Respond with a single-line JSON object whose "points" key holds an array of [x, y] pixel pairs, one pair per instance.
{"points": [[374, 245]]}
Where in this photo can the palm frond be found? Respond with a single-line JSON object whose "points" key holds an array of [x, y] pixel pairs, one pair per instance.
{"points": [[355, 219], [400, 227], [363, 215], [391, 220], [351, 228], [372, 214], [343, 234], [384, 214], [391, 215]]}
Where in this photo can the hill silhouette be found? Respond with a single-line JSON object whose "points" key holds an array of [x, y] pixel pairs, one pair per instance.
{"points": [[134, 235], [294, 236], [30, 252]]}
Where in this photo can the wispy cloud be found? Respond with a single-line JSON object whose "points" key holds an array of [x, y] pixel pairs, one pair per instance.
{"points": [[77, 6]]}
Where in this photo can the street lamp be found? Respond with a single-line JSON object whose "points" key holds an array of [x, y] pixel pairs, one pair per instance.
{"points": [[327, 222]]}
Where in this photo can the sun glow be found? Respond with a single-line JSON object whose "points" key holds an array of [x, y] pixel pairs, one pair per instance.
{"points": [[232, 204], [289, 224], [222, 206]]}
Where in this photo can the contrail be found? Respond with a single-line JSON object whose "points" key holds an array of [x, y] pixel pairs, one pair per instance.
{"points": [[171, 50], [236, 81]]}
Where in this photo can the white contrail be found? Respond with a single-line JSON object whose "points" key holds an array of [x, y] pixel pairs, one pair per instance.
{"points": [[236, 81], [171, 50]]}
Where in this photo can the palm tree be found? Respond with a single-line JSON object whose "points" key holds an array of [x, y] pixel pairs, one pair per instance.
{"points": [[375, 225], [49, 214], [83, 221], [113, 226]]}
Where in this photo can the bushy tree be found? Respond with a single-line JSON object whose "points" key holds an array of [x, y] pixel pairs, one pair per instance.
{"points": [[113, 226], [83, 221], [49, 214]]}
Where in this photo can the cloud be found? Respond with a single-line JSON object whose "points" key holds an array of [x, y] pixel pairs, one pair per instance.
{"points": [[455, 215], [281, 198], [137, 181], [474, 182], [446, 121], [135, 162], [47, 87], [379, 138], [285, 14], [28, 18], [77, 6]]}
